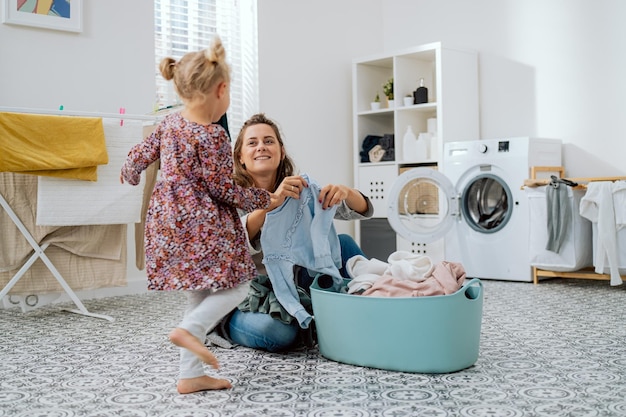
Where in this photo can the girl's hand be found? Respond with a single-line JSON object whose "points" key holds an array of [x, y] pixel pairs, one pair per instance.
{"points": [[275, 201], [332, 194]]}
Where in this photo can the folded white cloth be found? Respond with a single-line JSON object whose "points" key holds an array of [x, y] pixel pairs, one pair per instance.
{"points": [[402, 265], [364, 272], [407, 265]]}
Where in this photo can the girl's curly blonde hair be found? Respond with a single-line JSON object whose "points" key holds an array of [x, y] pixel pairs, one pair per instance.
{"points": [[197, 73]]}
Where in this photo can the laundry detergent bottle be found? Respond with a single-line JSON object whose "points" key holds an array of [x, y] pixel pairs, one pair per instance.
{"points": [[409, 145], [423, 146]]}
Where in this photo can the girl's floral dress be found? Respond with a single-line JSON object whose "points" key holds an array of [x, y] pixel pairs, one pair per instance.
{"points": [[194, 238]]}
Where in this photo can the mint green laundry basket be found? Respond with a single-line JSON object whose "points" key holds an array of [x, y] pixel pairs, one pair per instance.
{"points": [[432, 334]]}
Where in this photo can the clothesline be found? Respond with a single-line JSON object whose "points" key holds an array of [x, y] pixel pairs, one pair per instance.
{"points": [[79, 113]]}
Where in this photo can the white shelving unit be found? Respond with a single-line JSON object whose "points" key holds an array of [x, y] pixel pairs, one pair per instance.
{"points": [[451, 76]]}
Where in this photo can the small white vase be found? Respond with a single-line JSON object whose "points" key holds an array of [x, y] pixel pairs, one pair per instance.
{"points": [[408, 101], [391, 103], [375, 105]]}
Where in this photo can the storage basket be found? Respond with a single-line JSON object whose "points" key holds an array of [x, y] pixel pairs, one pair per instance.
{"points": [[430, 334], [576, 252]]}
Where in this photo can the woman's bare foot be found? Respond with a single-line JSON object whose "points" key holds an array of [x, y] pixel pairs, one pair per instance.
{"points": [[182, 338], [201, 383]]}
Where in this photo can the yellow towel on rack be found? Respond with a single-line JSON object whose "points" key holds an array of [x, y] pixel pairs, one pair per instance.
{"points": [[55, 146]]}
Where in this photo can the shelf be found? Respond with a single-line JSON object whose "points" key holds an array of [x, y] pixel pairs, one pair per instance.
{"points": [[415, 164], [400, 164], [455, 108], [377, 164], [426, 107], [385, 111]]}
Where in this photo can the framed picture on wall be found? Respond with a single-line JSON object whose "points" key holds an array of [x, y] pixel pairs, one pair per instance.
{"points": [[47, 14]]}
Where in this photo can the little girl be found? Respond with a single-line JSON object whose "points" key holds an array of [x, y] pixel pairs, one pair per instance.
{"points": [[194, 238]]}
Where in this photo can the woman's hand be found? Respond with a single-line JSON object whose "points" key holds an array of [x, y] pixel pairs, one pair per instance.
{"points": [[333, 194], [289, 187]]}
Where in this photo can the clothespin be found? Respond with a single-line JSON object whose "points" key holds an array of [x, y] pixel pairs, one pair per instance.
{"points": [[122, 111]]}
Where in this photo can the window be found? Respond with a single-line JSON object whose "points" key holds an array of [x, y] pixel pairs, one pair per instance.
{"points": [[182, 26]]}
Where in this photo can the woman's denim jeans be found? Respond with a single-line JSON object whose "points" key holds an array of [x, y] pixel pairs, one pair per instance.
{"points": [[261, 331]]}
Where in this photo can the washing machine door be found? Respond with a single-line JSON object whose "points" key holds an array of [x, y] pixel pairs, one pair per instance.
{"points": [[486, 203], [423, 205]]}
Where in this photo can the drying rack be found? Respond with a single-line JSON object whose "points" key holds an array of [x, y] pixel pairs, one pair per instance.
{"points": [[40, 254], [39, 250], [585, 273]]}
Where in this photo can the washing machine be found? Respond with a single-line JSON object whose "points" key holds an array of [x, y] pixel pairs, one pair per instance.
{"points": [[476, 204]]}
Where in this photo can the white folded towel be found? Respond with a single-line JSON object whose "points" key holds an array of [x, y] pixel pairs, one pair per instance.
{"points": [[402, 265], [408, 265], [364, 272]]}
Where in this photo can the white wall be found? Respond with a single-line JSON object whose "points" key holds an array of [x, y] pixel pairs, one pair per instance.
{"points": [[305, 78], [109, 65], [547, 68]]}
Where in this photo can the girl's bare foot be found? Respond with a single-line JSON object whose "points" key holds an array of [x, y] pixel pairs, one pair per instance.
{"points": [[201, 383], [182, 338]]}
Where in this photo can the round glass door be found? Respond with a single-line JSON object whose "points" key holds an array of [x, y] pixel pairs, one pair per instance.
{"points": [[487, 203], [422, 205]]}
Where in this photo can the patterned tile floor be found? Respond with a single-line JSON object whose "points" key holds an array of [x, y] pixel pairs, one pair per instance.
{"points": [[555, 349]]}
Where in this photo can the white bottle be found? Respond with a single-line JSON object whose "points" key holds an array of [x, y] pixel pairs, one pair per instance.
{"points": [[434, 147], [423, 143], [409, 145], [432, 125]]}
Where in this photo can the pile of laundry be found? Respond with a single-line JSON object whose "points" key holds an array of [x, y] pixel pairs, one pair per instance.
{"points": [[405, 274]]}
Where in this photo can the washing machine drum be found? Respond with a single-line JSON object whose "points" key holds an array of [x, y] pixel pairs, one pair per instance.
{"points": [[486, 203], [423, 204]]}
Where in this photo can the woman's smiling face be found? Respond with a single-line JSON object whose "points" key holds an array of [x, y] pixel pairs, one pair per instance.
{"points": [[261, 151]]}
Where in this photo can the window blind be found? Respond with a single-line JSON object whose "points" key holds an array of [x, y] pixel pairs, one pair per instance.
{"points": [[182, 26]]}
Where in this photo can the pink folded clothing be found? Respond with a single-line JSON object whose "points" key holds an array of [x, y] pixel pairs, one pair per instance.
{"points": [[443, 278], [401, 265]]}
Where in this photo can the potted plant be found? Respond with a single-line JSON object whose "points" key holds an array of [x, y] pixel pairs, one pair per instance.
{"points": [[388, 91], [376, 103]]}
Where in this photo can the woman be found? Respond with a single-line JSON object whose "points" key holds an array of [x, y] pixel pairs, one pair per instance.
{"points": [[261, 161]]}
